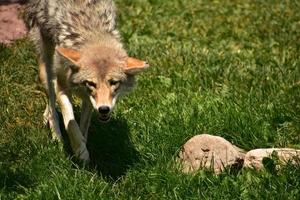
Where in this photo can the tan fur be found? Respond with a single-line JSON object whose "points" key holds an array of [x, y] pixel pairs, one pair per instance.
{"points": [[80, 51]]}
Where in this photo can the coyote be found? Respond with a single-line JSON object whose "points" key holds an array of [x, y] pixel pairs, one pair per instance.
{"points": [[79, 50]]}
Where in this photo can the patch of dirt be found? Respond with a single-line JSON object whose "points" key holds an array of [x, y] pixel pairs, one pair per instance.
{"points": [[12, 26]]}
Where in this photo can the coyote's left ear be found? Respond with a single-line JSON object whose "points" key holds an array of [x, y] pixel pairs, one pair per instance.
{"points": [[134, 66], [70, 54]]}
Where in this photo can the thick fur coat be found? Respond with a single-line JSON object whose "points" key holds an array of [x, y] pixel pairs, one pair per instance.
{"points": [[79, 49]]}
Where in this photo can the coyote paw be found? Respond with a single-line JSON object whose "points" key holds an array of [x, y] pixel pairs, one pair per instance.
{"points": [[82, 154], [46, 116], [55, 130], [51, 119]]}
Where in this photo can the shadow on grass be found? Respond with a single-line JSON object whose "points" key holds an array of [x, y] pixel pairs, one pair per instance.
{"points": [[15, 163], [111, 150], [15, 180]]}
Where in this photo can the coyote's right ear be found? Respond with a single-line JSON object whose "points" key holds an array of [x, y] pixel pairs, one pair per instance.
{"points": [[70, 54]]}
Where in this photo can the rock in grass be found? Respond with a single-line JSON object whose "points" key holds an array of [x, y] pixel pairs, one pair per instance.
{"points": [[255, 158], [209, 152]]}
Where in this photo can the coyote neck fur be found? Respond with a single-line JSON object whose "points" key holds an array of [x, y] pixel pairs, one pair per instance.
{"points": [[72, 23]]}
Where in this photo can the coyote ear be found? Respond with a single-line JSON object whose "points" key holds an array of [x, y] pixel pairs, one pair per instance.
{"points": [[70, 54], [134, 66]]}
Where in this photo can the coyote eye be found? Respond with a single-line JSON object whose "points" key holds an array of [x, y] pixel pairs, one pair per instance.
{"points": [[114, 83], [90, 84]]}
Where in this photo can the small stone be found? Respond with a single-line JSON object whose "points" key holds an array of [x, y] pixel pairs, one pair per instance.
{"points": [[254, 158], [209, 152]]}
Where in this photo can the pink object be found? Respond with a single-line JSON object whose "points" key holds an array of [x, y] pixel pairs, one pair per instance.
{"points": [[12, 26]]}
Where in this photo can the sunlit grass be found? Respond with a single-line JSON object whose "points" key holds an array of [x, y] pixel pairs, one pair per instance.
{"points": [[228, 68]]}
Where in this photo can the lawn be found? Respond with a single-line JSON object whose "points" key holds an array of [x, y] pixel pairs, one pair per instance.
{"points": [[229, 68]]}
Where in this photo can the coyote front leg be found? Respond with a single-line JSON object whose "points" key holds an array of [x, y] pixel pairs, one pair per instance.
{"points": [[78, 142], [49, 80], [85, 118]]}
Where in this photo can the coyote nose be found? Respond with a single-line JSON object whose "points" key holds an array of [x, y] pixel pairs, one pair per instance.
{"points": [[104, 110]]}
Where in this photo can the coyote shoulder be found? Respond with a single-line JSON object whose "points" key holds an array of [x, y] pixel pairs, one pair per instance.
{"points": [[79, 49]]}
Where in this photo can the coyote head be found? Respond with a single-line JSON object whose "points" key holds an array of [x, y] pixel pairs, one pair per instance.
{"points": [[104, 73]]}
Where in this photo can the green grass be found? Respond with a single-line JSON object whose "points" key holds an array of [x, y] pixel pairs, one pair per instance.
{"points": [[228, 68]]}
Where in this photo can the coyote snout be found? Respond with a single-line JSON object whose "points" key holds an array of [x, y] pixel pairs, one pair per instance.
{"points": [[104, 113]]}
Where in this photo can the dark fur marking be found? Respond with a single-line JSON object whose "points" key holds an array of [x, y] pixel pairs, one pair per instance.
{"points": [[72, 36]]}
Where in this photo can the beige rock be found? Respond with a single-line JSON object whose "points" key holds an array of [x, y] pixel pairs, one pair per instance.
{"points": [[210, 152], [254, 158]]}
